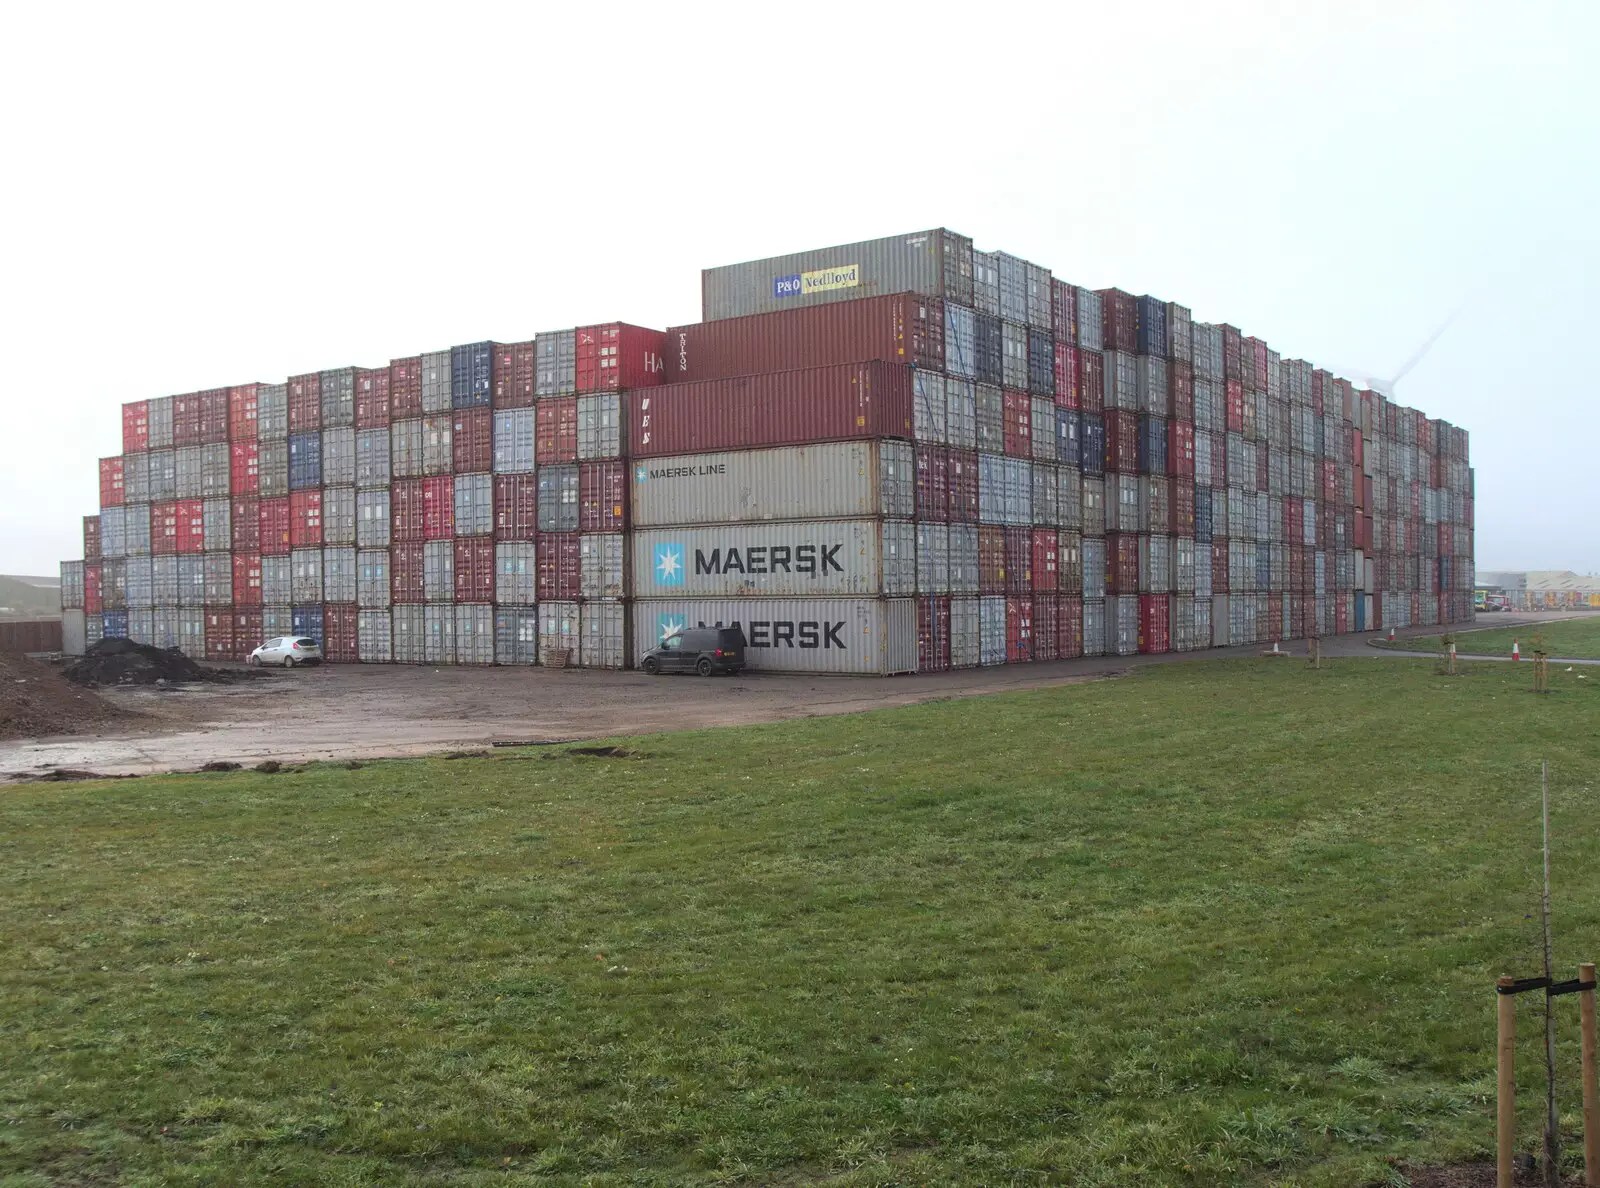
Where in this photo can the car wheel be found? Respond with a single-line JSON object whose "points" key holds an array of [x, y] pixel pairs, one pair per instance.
{"points": [[703, 667], [288, 661], [652, 666], [253, 660]]}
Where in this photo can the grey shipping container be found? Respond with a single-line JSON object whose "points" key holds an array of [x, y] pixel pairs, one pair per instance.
{"points": [[372, 579], [339, 516], [141, 625], [192, 632], [74, 631], [516, 635], [603, 635], [474, 634], [601, 562], [305, 576], [136, 528], [555, 361], [72, 592], [933, 559], [136, 478], [965, 632], [272, 412], [338, 456], [513, 441], [272, 467], [190, 470], [372, 519], [372, 458], [373, 644], [935, 263], [600, 429], [439, 571], [986, 283], [474, 505], [163, 475], [339, 575], [436, 441], [1005, 490], [559, 629], [408, 630], [558, 498], [439, 634], [778, 560], [1090, 325], [991, 631], [338, 399], [215, 471], [114, 531], [516, 575], [405, 449], [841, 635], [141, 586], [276, 620], [276, 582], [160, 424], [436, 383], [218, 579], [964, 577], [217, 525], [841, 480]]}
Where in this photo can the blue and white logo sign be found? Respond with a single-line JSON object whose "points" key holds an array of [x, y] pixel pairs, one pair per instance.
{"points": [[786, 286], [641, 474], [669, 624], [669, 565]]}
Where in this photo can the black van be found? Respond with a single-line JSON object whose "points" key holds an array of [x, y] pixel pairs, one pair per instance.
{"points": [[705, 650]]}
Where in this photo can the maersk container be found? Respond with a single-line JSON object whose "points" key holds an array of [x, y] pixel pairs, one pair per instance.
{"points": [[516, 634], [603, 635], [513, 441], [601, 565], [836, 480], [559, 631], [840, 403], [516, 574], [555, 363], [875, 636], [372, 579], [777, 560], [935, 263], [160, 423]]}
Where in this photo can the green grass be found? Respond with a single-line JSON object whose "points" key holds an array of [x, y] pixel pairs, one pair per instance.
{"points": [[1572, 638], [1217, 923]]}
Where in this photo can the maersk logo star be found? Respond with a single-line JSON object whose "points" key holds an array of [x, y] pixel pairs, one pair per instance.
{"points": [[669, 565]]}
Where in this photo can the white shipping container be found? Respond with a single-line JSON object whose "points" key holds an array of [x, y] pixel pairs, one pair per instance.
{"points": [[603, 635], [1005, 490], [961, 413], [217, 525], [74, 631], [72, 592], [516, 577], [140, 582], [372, 637], [841, 480], [840, 635], [1202, 623], [272, 469], [338, 457], [189, 472], [437, 436], [600, 565], [192, 632], [513, 441], [218, 579], [811, 559], [276, 583], [136, 478], [600, 432], [930, 420]]}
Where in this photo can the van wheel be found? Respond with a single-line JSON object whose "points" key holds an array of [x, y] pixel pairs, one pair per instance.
{"points": [[651, 665], [704, 666]]}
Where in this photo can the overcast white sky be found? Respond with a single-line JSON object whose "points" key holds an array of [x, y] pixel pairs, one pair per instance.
{"points": [[212, 194]]}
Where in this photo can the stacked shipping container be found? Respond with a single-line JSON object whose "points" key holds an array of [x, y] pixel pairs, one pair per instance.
{"points": [[895, 455]]}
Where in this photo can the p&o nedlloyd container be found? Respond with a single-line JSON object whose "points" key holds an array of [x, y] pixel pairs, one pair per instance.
{"points": [[778, 560], [871, 636]]}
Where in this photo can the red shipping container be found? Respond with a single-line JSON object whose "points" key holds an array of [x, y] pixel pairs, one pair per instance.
{"points": [[472, 441], [475, 569], [1293, 520], [274, 537], [247, 635], [602, 496], [933, 635], [615, 356], [1341, 616], [219, 635], [900, 328], [91, 538], [305, 402], [339, 624], [405, 388], [1319, 381], [93, 603], [1155, 623], [1235, 391], [1258, 363], [1122, 441], [438, 508], [406, 585], [186, 419], [963, 486], [555, 430], [1263, 468], [1180, 390], [406, 519], [1019, 630], [214, 416], [1219, 565], [1231, 353], [1046, 574], [991, 559], [1330, 482], [933, 484], [1119, 320], [246, 525], [247, 579], [1067, 394], [1017, 410], [1018, 560], [516, 506], [1063, 311], [1180, 448], [243, 404], [372, 397], [305, 519], [1046, 627], [136, 427], [1091, 381], [163, 529], [512, 376], [1122, 563], [1183, 509], [849, 402], [191, 521], [559, 559], [244, 476], [111, 481], [1069, 628], [1294, 556]]}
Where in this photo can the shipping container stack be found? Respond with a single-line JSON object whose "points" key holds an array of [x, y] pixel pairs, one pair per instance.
{"points": [[896, 455]]}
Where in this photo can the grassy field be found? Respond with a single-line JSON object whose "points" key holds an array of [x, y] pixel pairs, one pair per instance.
{"points": [[1574, 638], [1217, 923]]}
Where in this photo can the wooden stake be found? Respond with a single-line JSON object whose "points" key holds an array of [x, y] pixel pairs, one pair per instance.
{"points": [[1506, 1046], [1591, 1081], [1552, 1135]]}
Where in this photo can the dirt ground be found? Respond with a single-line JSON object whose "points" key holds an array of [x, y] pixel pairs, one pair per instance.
{"points": [[370, 711]]}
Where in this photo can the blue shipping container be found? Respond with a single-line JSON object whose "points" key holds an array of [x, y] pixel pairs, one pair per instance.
{"points": [[1361, 612], [960, 341], [991, 349], [1202, 514], [1151, 326], [307, 620], [469, 374], [1041, 362], [1152, 455], [1069, 437], [1094, 444], [305, 461], [114, 624]]}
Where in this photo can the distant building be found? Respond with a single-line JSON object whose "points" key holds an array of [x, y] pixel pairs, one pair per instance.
{"points": [[1543, 589]]}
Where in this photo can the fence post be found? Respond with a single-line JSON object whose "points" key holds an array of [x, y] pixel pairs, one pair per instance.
{"points": [[1591, 1080], [1506, 1120]]}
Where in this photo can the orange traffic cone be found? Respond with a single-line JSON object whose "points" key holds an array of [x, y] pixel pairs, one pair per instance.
{"points": [[1516, 652]]}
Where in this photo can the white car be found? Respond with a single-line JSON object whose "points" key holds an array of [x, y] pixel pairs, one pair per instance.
{"points": [[287, 651]]}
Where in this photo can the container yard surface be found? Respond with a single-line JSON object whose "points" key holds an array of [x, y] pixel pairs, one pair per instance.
{"points": [[1220, 923]]}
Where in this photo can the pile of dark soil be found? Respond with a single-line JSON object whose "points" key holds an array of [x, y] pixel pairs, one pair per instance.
{"points": [[36, 700], [123, 662]]}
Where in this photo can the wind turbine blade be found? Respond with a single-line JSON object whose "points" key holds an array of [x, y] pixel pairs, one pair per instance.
{"points": [[1422, 350]]}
